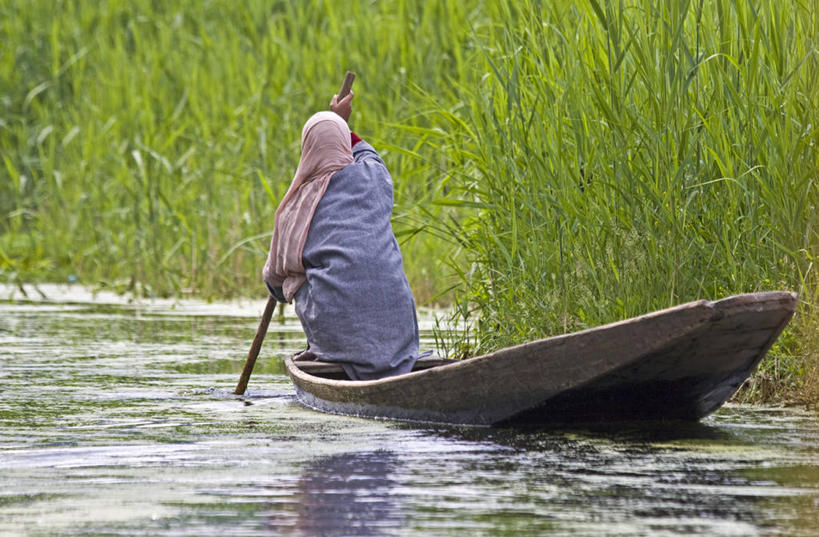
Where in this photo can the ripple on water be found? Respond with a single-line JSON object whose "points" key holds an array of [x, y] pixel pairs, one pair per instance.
{"points": [[119, 418]]}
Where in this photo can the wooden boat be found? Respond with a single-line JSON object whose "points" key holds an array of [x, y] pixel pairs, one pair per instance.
{"points": [[683, 362]]}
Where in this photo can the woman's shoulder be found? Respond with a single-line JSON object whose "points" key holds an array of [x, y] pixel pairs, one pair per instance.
{"points": [[362, 173], [363, 151], [366, 162]]}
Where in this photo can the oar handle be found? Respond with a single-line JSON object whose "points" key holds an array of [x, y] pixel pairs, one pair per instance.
{"points": [[256, 346], [346, 86]]}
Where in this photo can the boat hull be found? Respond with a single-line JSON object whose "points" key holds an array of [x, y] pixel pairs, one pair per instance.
{"points": [[680, 363]]}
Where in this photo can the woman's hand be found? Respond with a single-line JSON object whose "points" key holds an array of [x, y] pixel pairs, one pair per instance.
{"points": [[344, 107]]}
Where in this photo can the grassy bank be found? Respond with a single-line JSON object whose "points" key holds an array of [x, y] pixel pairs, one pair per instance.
{"points": [[566, 164], [621, 158]]}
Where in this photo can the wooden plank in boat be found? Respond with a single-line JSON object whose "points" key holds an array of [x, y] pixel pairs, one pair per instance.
{"points": [[318, 368]]}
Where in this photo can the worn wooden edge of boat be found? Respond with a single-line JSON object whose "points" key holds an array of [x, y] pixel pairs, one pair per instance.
{"points": [[682, 362]]}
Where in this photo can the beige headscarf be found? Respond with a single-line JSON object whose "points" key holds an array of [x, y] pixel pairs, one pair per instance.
{"points": [[325, 149]]}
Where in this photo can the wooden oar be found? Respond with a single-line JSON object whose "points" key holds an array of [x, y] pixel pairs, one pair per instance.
{"points": [[256, 346]]}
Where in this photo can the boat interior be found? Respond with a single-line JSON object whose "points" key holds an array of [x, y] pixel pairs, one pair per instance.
{"points": [[334, 371]]}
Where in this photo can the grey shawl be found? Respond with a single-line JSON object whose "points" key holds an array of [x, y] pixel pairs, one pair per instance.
{"points": [[356, 306]]}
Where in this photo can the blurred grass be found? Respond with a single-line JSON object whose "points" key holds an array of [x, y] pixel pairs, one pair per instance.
{"points": [[560, 164], [145, 144]]}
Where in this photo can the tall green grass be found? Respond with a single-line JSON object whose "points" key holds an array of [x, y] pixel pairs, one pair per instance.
{"points": [[571, 163], [623, 157], [145, 145]]}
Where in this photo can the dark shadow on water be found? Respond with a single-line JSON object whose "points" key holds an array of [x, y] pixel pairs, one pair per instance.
{"points": [[642, 431], [626, 432]]}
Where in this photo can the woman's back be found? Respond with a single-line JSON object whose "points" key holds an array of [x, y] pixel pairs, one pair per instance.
{"points": [[356, 306]]}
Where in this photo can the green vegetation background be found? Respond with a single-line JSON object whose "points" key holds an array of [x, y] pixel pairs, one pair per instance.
{"points": [[562, 164]]}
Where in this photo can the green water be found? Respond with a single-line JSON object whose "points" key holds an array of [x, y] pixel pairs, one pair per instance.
{"points": [[117, 419]]}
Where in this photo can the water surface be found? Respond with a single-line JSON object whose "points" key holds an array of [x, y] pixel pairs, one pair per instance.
{"points": [[117, 418]]}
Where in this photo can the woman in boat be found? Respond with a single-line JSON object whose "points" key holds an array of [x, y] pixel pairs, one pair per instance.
{"points": [[334, 252]]}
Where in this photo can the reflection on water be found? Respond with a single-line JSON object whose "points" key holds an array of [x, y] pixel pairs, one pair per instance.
{"points": [[118, 418], [350, 494]]}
